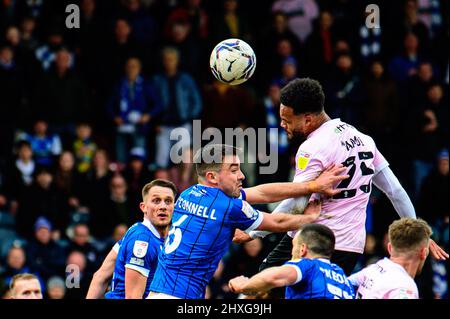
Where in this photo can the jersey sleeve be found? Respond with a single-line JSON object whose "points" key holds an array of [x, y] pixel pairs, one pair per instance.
{"points": [[244, 216], [379, 162], [302, 266], [117, 245], [309, 163], [401, 293], [139, 254], [357, 278]]}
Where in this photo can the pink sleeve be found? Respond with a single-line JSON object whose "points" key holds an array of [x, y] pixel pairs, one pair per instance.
{"points": [[401, 293], [379, 162]]}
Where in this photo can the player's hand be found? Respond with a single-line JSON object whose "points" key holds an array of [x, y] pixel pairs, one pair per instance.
{"points": [[437, 252], [327, 179], [241, 237], [313, 210], [237, 283]]}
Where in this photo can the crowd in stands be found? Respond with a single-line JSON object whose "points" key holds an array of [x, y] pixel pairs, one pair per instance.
{"points": [[86, 115]]}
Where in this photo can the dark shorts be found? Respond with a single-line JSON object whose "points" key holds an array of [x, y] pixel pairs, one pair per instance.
{"points": [[283, 253]]}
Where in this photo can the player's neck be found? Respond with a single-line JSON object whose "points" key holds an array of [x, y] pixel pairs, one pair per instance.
{"points": [[322, 118], [410, 265], [163, 231]]}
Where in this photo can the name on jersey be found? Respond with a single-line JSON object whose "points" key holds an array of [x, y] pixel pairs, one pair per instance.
{"points": [[334, 276], [196, 209], [351, 143]]}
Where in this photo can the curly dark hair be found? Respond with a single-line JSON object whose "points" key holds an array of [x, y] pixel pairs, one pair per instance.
{"points": [[304, 96]]}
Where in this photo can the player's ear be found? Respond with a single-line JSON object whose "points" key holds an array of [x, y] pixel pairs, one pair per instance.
{"points": [[142, 206], [389, 248], [211, 177]]}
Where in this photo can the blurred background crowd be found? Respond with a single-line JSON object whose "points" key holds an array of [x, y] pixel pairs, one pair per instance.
{"points": [[86, 115]]}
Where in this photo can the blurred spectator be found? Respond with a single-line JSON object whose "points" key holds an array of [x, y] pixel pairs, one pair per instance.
{"points": [[319, 45], [136, 174], [181, 103], [381, 111], [11, 92], [404, 65], [25, 286], [438, 102], [427, 134], [189, 49], [68, 183], [230, 24], [133, 105], [29, 39], [97, 180], [46, 54], [45, 255], [77, 260], [143, 26], [277, 140], [45, 146], [117, 209], [56, 288], [81, 241], [288, 72], [344, 91], [84, 147], [226, 106], [433, 203], [197, 18], [41, 199], [61, 98], [16, 263], [119, 50], [301, 14], [22, 171], [418, 84]]}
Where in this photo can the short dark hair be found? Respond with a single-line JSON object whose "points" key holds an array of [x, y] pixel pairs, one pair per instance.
{"points": [[304, 96], [319, 238], [160, 183], [215, 152]]}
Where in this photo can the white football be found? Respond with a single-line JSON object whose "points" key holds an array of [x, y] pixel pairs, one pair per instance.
{"points": [[232, 61]]}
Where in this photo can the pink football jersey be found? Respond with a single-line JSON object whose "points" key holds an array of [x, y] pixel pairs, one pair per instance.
{"points": [[336, 142], [384, 280]]}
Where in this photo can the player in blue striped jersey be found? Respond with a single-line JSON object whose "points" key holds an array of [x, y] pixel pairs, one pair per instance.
{"points": [[207, 214], [133, 260], [309, 275]]}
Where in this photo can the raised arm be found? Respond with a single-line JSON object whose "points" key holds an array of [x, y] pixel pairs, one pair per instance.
{"points": [[283, 222], [102, 276], [274, 192], [264, 281]]}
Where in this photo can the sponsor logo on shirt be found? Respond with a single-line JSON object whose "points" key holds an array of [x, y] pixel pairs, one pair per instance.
{"points": [[248, 210], [140, 248], [303, 160], [137, 261]]}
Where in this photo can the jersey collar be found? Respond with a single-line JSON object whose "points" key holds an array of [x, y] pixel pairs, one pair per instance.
{"points": [[324, 125], [152, 228]]}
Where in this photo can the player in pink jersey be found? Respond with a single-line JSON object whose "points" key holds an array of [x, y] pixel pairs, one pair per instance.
{"points": [[393, 278], [328, 141]]}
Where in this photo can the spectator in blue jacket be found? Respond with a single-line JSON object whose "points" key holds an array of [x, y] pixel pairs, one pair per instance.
{"points": [[181, 102], [133, 105]]}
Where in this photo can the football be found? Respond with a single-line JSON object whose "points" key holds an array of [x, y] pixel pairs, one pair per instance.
{"points": [[232, 61]]}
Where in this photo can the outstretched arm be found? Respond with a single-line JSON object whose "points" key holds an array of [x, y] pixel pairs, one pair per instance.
{"points": [[275, 192], [387, 182], [102, 276], [265, 280]]}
